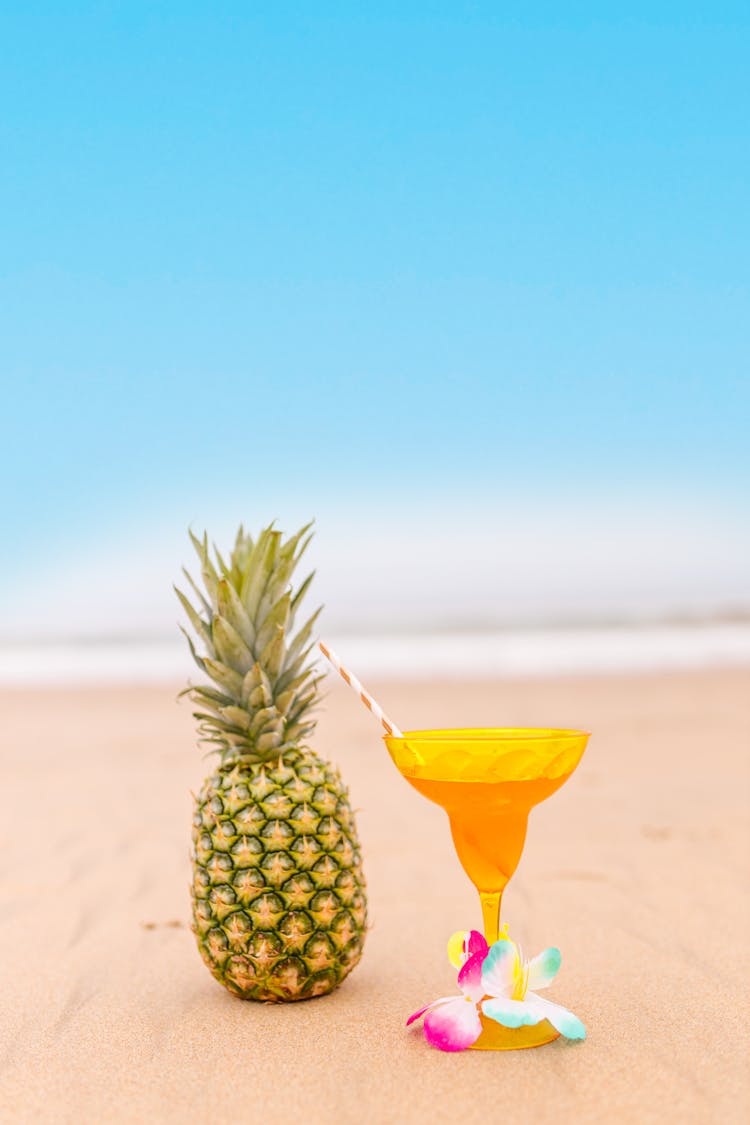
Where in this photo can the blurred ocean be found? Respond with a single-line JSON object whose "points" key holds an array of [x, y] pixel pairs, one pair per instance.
{"points": [[416, 655]]}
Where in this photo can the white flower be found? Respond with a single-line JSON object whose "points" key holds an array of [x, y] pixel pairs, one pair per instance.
{"points": [[509, 983]]}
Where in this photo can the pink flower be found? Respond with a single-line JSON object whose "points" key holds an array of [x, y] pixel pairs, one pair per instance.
{"points": [[496, 979]]}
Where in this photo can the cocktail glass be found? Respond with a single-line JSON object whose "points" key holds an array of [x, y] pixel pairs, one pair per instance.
{"points": [[488, 780]]}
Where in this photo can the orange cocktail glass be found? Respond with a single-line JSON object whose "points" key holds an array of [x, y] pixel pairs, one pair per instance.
{"points": [[488, 780]]}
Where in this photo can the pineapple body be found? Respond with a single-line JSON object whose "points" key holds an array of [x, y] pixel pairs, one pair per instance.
{"points": [[278, 892]]}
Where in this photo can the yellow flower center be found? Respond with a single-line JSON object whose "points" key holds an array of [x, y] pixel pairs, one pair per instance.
{"points": [[520, 979]]}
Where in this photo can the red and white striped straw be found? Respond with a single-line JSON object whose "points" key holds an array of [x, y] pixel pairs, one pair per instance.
{"points": [[365, 696]]}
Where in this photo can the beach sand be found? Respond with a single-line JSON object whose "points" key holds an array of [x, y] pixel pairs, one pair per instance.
{"points": [[637, 869]]}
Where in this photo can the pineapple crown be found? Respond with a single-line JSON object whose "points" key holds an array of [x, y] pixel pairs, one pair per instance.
{"points": [[264, 688]]}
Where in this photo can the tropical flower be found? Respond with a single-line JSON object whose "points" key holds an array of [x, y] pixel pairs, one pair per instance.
{"points": [[497, 980]]}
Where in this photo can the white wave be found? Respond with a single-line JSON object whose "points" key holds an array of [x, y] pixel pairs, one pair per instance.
{"points": [[459, 655]]}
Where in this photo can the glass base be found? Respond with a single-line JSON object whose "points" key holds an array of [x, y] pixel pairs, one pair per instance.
{"points": [[495, 1037]]}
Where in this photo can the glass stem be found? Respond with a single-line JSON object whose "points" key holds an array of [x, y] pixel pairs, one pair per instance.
{"points": [[491, 914]]}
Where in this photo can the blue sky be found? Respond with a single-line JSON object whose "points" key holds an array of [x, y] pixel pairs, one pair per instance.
{"points": [[422, 258]]}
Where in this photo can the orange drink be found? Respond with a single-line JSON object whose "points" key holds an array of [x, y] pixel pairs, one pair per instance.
{"points": [[488, 780]]}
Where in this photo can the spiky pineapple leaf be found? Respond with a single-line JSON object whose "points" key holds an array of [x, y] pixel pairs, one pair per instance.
{"points": [[285, 699], [210, 725], [293, 677], [202, 628], [210, 694], [297, 599], [272, 655], [298, 643], [256, 688], [260, 565], [269, 741], [262, 717], [208, 570], [296, 732], [277, 618], [230, 647], [231, 607], [288, 559], [197, 591], [222, 565], [225, 677], [275, 726], [198, 659], [237, 716], [301, 705]]}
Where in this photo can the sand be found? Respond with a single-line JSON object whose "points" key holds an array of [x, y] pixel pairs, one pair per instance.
{"points": [[637, 869]]}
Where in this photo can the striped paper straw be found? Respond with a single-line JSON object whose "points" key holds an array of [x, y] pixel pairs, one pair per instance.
{"points": [[365, 696]]}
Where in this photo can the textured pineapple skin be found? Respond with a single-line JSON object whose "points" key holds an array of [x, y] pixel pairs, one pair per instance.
{"points": [[279, 907]]}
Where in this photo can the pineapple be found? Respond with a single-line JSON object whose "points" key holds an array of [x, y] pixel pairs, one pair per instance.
{"points": [[279, 906]]}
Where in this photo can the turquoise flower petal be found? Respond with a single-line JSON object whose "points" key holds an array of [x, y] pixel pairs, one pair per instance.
{"points": [[511, 1013], [561, 1019], [544, 968]]}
